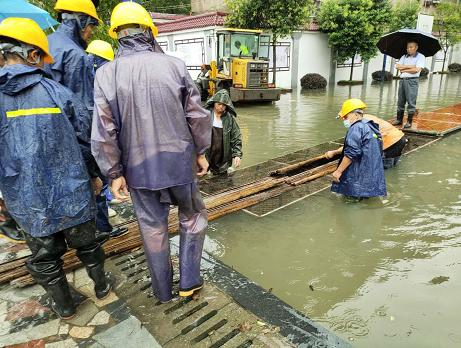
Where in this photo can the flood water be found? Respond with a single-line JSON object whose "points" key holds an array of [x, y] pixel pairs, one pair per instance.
{"points": [[381, 273]]}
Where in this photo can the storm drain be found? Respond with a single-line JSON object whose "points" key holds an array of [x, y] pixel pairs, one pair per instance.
{"points": [[212, 320]]}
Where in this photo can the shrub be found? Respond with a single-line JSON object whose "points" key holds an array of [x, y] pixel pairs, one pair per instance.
{"points": [[454, 68], [377, 75], [313, 81]]}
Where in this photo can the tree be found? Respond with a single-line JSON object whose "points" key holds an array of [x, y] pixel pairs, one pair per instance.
{"points": [[448, 24], [354, 27], [281, 17], [404, 15]]}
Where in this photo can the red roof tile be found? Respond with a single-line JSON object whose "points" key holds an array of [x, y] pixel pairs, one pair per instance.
{"points": [[193, 22]]}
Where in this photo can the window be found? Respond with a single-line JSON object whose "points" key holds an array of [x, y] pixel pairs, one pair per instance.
{"points": [[193, 52], [283, 56], [348, 63], [163, 45], [244, 45], [264, 47]]}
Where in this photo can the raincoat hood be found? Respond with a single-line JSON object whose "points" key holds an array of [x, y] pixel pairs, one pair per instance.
{"points": [[222, 97], [138, 43], [18, 77], [72, 30], [72, 66]]}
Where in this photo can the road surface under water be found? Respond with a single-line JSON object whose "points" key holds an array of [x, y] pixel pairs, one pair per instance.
{"points": [[381, 273]]}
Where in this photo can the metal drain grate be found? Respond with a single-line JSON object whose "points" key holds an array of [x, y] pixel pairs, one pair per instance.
{"points": [[213, 320]]}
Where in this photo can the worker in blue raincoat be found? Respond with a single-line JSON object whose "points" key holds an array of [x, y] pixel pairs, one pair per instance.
{"points": [[71, 66], [100, 53], [44, 178], [150, 133], [74, 69], [360, 173]]}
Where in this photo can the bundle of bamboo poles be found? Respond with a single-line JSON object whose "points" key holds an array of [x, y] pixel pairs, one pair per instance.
{"points": [[217, 206]]}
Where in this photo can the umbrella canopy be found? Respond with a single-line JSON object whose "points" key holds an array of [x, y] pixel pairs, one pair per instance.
{"points": [[21, 8], [395, 44]]}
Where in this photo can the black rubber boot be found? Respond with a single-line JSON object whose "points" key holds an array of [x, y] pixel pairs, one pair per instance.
{"points": [[93, 257], [118, 232], [399, 119], [62, 302], [104, 282], [409, 120], [11, 231]]}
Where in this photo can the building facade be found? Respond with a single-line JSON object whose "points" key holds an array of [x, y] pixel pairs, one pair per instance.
{"points": [[202, 6], [193, 39]]}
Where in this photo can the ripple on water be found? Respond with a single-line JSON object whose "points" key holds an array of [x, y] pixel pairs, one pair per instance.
{"points": [[349, 323]]}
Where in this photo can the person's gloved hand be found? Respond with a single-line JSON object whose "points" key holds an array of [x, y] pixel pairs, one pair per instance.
{"points": [[236, 162]]}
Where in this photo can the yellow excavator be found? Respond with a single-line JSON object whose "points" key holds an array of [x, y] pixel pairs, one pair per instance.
{"points": [[242, 66]]}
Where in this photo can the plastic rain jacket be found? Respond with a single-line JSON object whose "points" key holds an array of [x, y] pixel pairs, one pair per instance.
{"points": [[42, 171], [232, 137], [148, 121], [365, 175], [72, 66]]}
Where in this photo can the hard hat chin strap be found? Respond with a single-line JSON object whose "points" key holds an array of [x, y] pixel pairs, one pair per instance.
{"points": [[22, 50]]}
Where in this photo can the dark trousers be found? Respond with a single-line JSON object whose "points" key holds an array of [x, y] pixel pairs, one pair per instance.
{"points": [[408, 92], [102, 213], [45, 263], [393, 153]]}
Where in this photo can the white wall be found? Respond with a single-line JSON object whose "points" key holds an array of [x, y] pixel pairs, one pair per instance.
{"points": [[314, 55]]}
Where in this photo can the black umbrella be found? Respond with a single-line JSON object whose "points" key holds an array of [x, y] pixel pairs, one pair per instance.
{"points": [[395, 44]]}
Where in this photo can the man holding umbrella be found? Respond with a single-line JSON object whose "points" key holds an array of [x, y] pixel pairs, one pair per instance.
{"points": [[409, 66], [415, 45]]}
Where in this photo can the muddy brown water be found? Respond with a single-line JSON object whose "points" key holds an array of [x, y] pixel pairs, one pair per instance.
{"points": [[381, 273]]}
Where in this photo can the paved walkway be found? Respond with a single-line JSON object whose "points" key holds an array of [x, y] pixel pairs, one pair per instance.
{"points": [[26, 321]]}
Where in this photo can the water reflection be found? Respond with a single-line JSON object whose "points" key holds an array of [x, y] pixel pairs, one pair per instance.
{"points": [[380, 272]]}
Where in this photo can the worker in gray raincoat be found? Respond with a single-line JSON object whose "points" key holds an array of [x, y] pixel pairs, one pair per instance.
{"points": [[150, 133], [44, 147], [226, 139]]}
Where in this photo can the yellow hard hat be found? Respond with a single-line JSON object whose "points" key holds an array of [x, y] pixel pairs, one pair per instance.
{"points": [[102, 49], [27, 31], [130, 13], [351, 105], [81, 6]]}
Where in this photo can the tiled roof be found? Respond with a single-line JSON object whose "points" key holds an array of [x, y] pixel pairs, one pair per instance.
{"points": [[205, 20], [193, 22]]}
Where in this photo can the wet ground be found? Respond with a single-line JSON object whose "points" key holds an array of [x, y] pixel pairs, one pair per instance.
{"points": [[383, 273]]}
